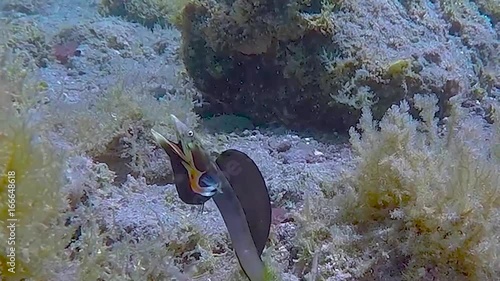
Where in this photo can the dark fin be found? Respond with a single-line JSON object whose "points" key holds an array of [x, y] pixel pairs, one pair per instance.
{"points": [[251, 190], [181, 178]]}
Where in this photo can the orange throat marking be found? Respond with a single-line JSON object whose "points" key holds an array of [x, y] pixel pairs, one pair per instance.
{"points": [[194, 178]]}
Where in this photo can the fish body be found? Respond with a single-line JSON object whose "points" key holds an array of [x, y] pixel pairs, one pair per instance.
{"points": [[237, 187]]}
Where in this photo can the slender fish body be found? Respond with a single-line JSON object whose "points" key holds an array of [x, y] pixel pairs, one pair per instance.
{"points": [[237, 187]]}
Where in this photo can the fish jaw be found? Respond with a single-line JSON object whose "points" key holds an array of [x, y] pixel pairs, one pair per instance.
{"points": [[179, 126], [164, 143]]}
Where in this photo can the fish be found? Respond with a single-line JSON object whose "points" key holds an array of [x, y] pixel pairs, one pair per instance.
{"points": [[236, 185]]}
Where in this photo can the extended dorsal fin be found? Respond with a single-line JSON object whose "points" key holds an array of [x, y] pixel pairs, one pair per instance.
{"points": [[251, 190]]}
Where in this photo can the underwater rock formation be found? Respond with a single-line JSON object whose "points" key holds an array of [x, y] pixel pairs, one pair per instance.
{"points": [[313, 64]]}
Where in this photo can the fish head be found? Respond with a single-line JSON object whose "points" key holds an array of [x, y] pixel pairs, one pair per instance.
{"points": [[189, 145], [193, 170]]}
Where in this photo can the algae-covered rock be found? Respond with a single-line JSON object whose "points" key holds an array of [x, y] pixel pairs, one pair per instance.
{"points": [[227, 124], [490, 8], [27, 39], [317, 63], [146, 12]]}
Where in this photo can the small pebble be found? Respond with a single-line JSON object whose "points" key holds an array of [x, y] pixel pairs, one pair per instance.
{"points": [[283, 146], [318, 153]]}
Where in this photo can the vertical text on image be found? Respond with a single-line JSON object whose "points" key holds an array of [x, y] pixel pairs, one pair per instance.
{"points": [[11, 221]]}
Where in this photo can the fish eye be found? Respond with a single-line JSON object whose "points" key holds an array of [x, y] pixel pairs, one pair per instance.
{"points": [[190, 133]]}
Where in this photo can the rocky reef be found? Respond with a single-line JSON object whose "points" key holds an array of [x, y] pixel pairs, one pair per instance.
{"points": [[317, 63]]}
